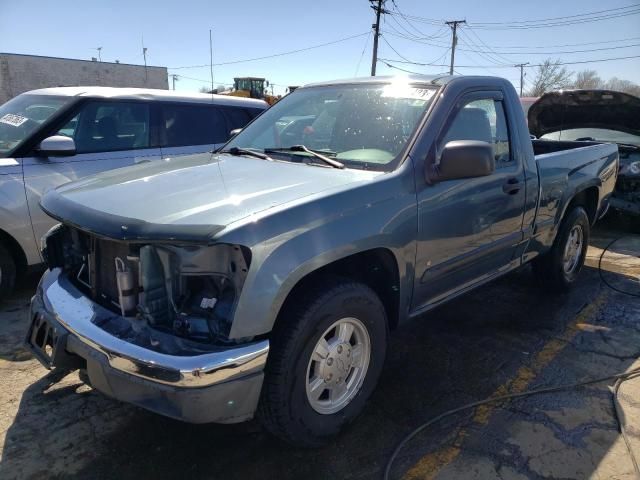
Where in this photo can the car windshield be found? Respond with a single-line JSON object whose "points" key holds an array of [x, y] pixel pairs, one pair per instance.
{"points": [[22, 115], [599, 134], [361, 125]]}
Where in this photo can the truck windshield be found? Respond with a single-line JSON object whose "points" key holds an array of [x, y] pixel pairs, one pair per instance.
{"points": [[22, 115], [361, 125]]}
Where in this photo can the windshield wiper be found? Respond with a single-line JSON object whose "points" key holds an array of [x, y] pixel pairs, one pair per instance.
{"points": [[245, 151], [313, 153]]}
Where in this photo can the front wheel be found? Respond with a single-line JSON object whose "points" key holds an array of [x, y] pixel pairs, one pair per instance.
{"points": [[326, 355], [558, 269]]}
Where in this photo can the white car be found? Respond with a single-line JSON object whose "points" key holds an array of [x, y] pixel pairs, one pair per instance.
{"points": [[54, 135]]}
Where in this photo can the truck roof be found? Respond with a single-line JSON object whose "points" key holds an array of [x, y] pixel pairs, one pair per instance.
{"points": [[438, 80], [148, 94]]}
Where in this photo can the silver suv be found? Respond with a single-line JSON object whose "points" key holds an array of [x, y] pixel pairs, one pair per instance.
{"points": [[51, 136]]}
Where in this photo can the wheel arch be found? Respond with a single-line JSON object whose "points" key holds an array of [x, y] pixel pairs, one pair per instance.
{"points": [[377, 268], [16, 251], [588, 198]]}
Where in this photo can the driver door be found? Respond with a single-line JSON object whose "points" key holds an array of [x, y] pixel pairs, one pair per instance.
{"points": [[468, 229]]}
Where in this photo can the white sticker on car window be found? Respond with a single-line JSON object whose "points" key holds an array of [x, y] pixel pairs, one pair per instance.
{"points": [[13, 119]]}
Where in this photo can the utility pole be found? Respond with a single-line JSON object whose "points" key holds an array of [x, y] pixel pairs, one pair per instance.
{"points": [[376, 32], [144, 55], [211, 58], [454, 40], [174, 78], [521, 65]]}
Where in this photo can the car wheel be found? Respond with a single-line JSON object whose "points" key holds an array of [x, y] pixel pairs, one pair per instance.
{"points": [[7, 272], [558, 269], [326, 355]]}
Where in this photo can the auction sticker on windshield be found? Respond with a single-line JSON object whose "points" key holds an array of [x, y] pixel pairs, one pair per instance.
{"points": [[13, 119]]}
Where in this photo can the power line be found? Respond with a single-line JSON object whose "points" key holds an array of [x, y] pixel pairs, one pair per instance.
{"points": [[564, 17], [478, 50], [511, 66], [544, 22], [435, 43], [497, 55], [555, 24], [273, 55], [366, 42], [397, 12], [564, 45], [559, 52], [394, 50], [475, 48]]}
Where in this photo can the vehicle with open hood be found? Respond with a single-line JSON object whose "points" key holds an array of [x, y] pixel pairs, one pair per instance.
{"points": [[596, 115], [264, 279]]}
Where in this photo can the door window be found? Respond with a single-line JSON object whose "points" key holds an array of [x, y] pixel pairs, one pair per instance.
{"points": [[237, 117], [109, 126], [184, 125], [483, 119]]}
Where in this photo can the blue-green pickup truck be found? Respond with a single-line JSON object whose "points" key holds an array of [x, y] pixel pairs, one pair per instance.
{"points": [[265, 278]]}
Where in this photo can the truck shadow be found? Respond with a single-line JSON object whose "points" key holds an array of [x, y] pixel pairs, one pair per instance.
{"points": [[461, 352]]}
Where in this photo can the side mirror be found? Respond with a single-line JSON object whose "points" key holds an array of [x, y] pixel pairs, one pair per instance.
{"points": [[234, 132], [465, 159], [57, 146]]}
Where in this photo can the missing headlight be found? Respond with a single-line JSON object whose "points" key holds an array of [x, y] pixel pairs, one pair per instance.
{"points": [[192, 291]]}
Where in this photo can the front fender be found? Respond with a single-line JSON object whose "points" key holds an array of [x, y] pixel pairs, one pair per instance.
{"points": [[15, 219], [332, 232]]}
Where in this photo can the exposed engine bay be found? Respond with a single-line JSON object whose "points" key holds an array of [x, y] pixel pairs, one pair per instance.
{"points": [[188, 291], [627, 191]]}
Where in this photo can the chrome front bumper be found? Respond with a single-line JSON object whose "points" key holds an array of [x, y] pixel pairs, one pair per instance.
{"points": [[135, 363]]}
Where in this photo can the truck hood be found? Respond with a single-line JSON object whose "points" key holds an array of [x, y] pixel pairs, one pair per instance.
{"points": [[190, 198], [567, 109]]}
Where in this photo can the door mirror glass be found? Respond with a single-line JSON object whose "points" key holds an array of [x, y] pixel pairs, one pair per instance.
{"points": [[465, 159], [57, 146]]}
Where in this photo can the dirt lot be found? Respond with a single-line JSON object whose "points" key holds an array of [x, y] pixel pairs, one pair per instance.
{"points": [[505, 337]]}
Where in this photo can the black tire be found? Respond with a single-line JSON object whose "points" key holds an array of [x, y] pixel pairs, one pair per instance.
{"points": [[7, 272], [549, 268], [284, 408]]}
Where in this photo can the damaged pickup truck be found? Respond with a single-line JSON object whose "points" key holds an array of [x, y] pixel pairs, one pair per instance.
{"points": [[597, 115], [264, 279]]}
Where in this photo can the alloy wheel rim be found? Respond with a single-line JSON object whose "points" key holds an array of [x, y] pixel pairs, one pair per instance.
{"points": [[338, 366], [573, 249]]}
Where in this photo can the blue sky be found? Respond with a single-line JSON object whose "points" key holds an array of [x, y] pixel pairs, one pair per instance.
{"points": [[176, 34]]}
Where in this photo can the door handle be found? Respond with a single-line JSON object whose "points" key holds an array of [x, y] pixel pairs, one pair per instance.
{"points": [[512, 186]]}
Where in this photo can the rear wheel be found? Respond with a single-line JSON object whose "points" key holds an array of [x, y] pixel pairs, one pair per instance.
{"points": [[558, 269], [325, 359], [7, 272]]}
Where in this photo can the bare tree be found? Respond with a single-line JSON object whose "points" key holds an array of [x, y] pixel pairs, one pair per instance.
{"points": [[551, 75], [588, 79], [620, 85]]}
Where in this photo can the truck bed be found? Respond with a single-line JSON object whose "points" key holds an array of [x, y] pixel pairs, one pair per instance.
{"points": [[566, 167]]}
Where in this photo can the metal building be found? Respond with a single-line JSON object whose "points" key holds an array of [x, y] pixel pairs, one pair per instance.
{"points": [[20, 73]]}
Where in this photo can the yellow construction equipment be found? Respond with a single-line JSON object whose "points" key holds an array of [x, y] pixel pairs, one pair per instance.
{"points": [[252, 87]]}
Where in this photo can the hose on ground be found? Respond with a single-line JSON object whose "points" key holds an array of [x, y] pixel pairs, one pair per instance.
{"points": [[619, 378], [545, 390]]}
